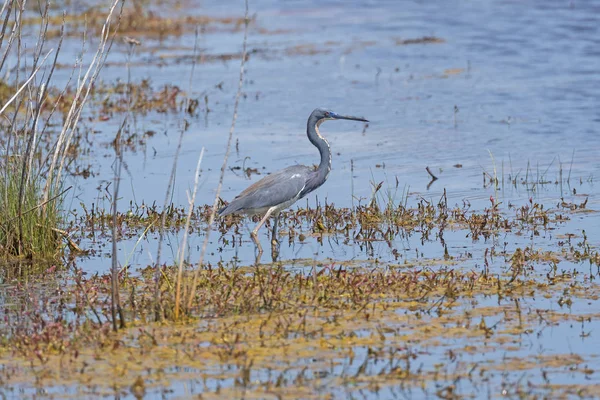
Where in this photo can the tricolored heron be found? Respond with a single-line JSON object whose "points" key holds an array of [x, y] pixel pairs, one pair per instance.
{"points": [[278, 191]]}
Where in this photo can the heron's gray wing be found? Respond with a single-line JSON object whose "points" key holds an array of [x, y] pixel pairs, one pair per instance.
{"points": [[314, 180], [275, 189]]}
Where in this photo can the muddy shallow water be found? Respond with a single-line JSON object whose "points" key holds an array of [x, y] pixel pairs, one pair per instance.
{"points": [[474, 91]]}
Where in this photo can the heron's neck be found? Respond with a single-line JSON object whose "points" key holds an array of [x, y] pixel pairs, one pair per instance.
{"points": [[324, 150]]}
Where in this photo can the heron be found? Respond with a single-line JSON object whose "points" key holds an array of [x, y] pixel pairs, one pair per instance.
{"points": [[280, 190]]}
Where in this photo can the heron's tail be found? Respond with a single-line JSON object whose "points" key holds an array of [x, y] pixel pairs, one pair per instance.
{"points": [[233, 207], [226, 210]]}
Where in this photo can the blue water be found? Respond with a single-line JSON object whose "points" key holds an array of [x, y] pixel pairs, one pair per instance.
{"points": [[525, 92], [510, 92]]}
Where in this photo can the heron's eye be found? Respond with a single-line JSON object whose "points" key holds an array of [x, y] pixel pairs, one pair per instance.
{"points": [[327, 114]]}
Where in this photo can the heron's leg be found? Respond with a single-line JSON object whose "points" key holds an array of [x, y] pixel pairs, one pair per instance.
{"points": [[254, 233], [259, 249], [274, 241], [262, 221]]}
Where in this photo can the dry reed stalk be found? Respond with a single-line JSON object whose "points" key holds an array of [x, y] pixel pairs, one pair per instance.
{"points": [[168, 193], [33, 143], [115, 306], [27, 82], [224, 166], [84, 86], [191, 202], [14, 31], [163, 220]]}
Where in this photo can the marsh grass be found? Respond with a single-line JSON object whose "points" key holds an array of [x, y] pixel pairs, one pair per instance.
{"points": [[27, 230], [31, 175], [533, 178]]}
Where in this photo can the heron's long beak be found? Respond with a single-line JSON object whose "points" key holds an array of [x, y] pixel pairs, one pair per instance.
{"points": [[350, 118]]}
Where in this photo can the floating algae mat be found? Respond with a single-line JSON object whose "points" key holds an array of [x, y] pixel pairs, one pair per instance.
{"points": [[385, 333], [458, 326]]}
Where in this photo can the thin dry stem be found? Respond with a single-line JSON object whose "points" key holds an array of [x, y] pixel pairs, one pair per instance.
{"points": [[84, 87], [224, 166], [14, 32], [115, 299], [27, 82], [157, 271], [188, 220], [41, 99], [88, 82]]}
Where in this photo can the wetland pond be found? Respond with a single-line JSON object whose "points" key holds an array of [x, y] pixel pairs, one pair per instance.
{"points": [[480, 284]]}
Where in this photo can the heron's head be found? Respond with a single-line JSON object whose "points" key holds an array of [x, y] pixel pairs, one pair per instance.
{"points": [[322, 114]]}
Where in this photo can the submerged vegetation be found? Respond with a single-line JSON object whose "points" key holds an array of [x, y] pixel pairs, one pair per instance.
{"points": [[432, 328]]}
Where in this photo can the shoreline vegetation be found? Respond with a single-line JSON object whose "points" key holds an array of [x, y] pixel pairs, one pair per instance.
{"points": [[35, 156]]}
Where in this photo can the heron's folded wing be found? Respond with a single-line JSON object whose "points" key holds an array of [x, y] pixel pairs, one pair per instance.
{"points": [[275, 189]]}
